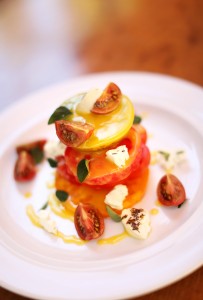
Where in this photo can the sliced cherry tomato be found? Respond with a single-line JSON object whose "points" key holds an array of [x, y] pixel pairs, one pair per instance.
{"points": [[170, 191], [30, 146], [73, 134], [88, 221], [25, 169], [101, 170], [108, 101]]}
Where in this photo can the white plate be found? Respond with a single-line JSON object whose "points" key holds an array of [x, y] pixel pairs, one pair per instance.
{"points": [[36, 265]]}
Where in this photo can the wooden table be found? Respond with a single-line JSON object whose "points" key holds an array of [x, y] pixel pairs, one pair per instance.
{"points": [[45, 43]]}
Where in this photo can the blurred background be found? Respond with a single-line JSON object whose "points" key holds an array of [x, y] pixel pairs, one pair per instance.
{"points": [[43, 42]]}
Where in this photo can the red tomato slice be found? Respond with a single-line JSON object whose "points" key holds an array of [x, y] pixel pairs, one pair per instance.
{"points": [[142, 131], [88, 221], [101, 170], [25, 169]]}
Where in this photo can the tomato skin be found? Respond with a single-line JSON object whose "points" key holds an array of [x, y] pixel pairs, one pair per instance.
{"points": [[101, 170], [108, 101], [25, 169], [170, 191], [88, 221], [73, 134], [30, 146], [142, 132]]}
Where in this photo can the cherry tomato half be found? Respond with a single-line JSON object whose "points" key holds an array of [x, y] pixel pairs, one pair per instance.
{"points": [[25, 169], [108, 101], [30, 146], [73, 134], [170, 191], [88, 221]]}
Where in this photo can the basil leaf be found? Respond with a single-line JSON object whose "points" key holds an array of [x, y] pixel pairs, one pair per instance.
{"points": [[61, 195], [82, 169], [165, 155], [59, 114], [137, 120], [44, 206], [53, 163], [114, 216], [37, 154]]}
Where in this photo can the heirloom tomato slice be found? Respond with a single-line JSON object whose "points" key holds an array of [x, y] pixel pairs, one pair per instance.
{"points": [[101, 170]]}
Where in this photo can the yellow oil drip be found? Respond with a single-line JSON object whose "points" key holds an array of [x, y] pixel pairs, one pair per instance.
{"points": [[157, 203], [154, 211], [50, 185], [153, 158], [113, 239], [71, 239], [33, 216], [65, 211], [28, 195], [66, 238]]}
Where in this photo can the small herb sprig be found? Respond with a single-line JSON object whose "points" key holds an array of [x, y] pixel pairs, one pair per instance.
{"points": [[59, 114]]}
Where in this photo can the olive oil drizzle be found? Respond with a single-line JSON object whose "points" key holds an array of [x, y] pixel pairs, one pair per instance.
{"points": [[113, 239], [71, 239]]}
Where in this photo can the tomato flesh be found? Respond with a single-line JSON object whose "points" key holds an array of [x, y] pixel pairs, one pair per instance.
{"points": [[25, 169], [170, 191], [73, 134], [88, 221], [101, 170], [108, 101]]}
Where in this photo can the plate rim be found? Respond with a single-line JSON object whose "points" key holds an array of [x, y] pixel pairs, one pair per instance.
{"points": [[88, 77]]}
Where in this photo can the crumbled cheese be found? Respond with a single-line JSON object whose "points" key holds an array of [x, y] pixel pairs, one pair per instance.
{"points": [[79, 119], [53, 149], [168, 160], [118, 156], [47, 223], [87, 103], [116, 196], [136, 222]]}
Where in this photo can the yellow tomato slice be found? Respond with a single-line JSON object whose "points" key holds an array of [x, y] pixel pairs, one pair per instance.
{"points": [[108, 128]]}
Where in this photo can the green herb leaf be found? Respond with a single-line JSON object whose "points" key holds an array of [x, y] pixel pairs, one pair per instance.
{"points": [[59, 114], [137, 120], [82, 169], [37, 154], [180, 152], [61, 195], [114, 216], [44, 206], [165, 154], [53, 163]]}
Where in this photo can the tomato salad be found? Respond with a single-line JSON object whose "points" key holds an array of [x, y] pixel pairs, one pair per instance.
{"points": [[102, 170]]}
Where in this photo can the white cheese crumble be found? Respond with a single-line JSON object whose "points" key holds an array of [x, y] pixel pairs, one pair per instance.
{"points": [[53, 149], [168, 160], [118, 156], [79, 119], [136, 222], [47, 223], [87, 103], [116, 196]]}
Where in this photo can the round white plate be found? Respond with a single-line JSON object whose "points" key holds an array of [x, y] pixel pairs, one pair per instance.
{"points": [[39, 266]]}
